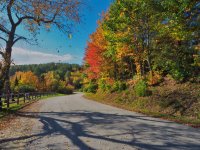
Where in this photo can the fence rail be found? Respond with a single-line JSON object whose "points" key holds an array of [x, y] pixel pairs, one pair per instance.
{"points": [[7, 99]]}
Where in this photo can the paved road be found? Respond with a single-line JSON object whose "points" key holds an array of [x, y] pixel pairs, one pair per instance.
{"points": [[72, 122]]}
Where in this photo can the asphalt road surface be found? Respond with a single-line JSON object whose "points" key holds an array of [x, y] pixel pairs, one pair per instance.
{"points": [[73, 122]]}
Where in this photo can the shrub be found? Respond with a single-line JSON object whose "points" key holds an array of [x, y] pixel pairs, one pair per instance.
{"points": [[153, 78], [66, 90], [24, 88], [118, 86], [178, 74], [141, 88], [103, 85], [91, 88]]}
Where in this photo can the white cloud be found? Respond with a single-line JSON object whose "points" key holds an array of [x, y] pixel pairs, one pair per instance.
{"points": [[23, 56]]}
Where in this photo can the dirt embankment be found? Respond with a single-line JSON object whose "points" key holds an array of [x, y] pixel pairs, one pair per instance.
{"points": [[179, 102]]}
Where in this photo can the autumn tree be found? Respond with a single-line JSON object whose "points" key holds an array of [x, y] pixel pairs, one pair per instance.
{"points": [[177, 36], [22, 79], [94, 53], [131, 29], [145, 40], [152, 33], [32, 15], [51, 80]]}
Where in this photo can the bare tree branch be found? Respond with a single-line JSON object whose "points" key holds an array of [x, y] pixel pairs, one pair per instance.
{"points": [[3, 39], [9, 12], [19, 38], [3, 29], [38, 20], [17, 16], [2, 53]]}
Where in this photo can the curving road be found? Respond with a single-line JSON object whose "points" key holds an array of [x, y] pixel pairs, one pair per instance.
{"points": [[73, 122]]}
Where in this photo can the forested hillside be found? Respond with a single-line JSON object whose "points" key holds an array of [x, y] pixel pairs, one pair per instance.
{"points": [[56, 77], [148, 49], [39, 69]]}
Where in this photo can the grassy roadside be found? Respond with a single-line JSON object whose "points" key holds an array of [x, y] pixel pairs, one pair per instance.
{"points": [[144, 105], [15, 107]]}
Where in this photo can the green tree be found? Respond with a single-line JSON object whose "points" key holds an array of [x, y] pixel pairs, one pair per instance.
{"points": [[174, 51]]}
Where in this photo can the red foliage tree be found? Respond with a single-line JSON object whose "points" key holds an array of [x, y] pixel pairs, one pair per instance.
{"points": [[93, 59]]}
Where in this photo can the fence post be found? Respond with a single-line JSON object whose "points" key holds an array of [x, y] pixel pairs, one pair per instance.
{"points": [[24, 97], [12, 96], [1, 104], [18, 98], [8, 99]]}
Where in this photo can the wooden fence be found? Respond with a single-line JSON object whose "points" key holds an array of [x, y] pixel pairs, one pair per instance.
{"points": [[7, 99]]}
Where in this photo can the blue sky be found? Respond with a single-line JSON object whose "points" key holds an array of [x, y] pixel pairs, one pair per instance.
{"points": [[70, 50]]}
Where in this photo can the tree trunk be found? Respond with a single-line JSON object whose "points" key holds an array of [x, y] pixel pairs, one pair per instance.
{"points": [[7, 73], [149, 63], [7, 67], [2, 74], [115, 71], [2, 79], [5, 76]]}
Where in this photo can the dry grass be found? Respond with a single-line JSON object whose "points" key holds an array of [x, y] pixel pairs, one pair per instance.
{"points": [[169, 100]]}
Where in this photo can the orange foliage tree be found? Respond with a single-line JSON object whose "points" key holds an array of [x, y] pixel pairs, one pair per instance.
{"points": [[25, 78]]}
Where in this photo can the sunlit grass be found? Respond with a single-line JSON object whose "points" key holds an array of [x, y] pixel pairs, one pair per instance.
{"points": [[138, 106]]}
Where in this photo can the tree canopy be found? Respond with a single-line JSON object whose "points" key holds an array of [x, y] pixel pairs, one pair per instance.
{"points": [[145, 40]]}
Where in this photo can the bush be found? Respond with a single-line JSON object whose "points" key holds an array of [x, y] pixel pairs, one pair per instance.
{"points": [[154, 78], [91, 88], [24, 88], [178, 75], [141, 88], [77, 84], [65, 90], [118, 86], [103, 85]]}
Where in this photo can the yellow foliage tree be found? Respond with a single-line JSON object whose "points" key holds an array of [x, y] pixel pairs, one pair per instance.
{"points": [[25, 78]]}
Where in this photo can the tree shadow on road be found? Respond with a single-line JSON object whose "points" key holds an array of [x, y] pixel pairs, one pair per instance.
{"points": [[143, 132]]}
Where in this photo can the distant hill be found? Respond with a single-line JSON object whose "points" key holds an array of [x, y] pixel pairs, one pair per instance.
{"points": [[39, 69]]}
